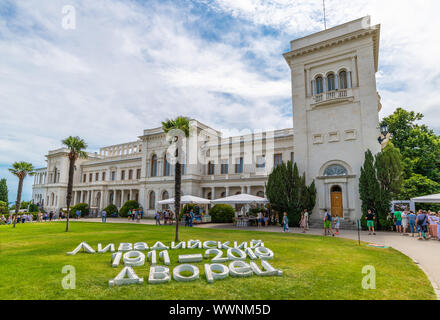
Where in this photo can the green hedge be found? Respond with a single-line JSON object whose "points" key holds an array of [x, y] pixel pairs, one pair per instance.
{"points": [[129, 205], [110, 209], [222, 213]]}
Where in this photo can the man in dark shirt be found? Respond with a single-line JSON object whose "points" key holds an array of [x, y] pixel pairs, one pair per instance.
{"points": [[370, 221]]}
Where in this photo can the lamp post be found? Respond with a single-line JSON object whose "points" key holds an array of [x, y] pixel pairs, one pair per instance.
{"points": [[384, 134]]}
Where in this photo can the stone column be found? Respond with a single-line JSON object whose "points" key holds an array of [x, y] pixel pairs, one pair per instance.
{"points": [[131, 194], [122, 197], [212, 193], [248, 190], [242, 189], [227, 191], [101, 202], [354, 72]]}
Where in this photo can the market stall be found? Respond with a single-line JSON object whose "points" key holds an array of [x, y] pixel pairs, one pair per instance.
{"points": [[242, 217]]}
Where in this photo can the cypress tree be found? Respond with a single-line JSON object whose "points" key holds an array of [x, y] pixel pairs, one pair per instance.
{"points": [[3, 191], [288, 192]]}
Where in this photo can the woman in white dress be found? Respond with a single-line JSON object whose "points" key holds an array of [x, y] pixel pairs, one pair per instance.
{"points": [[405, 221]]}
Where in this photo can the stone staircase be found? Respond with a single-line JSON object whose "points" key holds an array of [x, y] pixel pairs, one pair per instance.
{"points": [[345, 224]]}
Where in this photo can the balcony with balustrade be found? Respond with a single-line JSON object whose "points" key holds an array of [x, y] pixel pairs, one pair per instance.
{"points": [[334, 96]]}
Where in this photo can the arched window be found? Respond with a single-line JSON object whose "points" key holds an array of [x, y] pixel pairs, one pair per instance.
{"points": [[152, 202], [223, 194], [335, 170], [166, 167], [165, 195], [331, 82], [319, 85], [209, 196], [336, 189], [260, 194], [154, 166], [343, 83]]}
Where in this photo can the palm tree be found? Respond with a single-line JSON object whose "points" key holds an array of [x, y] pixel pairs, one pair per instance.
{"points": [[177, 127], [21, 170], [76, 147]]}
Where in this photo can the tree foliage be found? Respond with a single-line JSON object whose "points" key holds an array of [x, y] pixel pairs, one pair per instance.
{"points": [[3, 191], [178, 128], [288, 192], [76, 147], [222, 213], [418, 145], [389, 170], [375, 195], [21, 170]]}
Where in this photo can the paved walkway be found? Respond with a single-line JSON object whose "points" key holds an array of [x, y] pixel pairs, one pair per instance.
{"points": [[425, 253]]}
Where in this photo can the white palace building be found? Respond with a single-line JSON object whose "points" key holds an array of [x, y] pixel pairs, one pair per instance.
{"points": [[335, 120]]}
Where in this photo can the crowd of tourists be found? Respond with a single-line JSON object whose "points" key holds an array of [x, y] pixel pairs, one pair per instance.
{"points": [[166, 215], [29, 217], [423, 224]]}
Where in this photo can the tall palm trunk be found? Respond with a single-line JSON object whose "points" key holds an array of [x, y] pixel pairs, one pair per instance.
{"points": [[69, 189], [177, 191], [18, 203]]}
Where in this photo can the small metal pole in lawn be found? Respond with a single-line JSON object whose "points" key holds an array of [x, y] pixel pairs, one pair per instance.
{"points": [[359, 231]]}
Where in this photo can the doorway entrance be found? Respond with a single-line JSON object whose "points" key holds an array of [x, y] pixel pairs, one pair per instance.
{"points": [[336, 201]]}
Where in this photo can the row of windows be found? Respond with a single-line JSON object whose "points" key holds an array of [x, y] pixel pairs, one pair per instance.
{"points": [[260, 164], [112, 176], [331, 82], [166, 167]]}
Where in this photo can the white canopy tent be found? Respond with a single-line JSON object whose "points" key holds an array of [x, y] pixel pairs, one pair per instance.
{"points": [[433, 198], [186, 200], [241, 199]]}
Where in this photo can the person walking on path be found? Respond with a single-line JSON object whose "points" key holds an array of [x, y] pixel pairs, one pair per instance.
{"points": [[328, 223], [303, 222], [78, 213], [422, 222], [138, 217], [405, 222], [285, 222], [260, 219], [370, 222], [191, 218], [412, 222], [129, 214], [157, 216], [398, 217], [337, 224], [306, 215], [104, 216]]}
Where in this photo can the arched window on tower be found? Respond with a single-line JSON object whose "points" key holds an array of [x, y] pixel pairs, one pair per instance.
{"points": [[331, 82], [343, 83], [154, 166], [319, 85]]}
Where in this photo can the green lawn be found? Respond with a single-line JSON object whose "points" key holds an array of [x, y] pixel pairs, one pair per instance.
{"points": [[32, 256]]}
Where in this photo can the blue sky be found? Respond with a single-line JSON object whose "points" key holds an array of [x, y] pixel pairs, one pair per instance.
{"points": [[129, 64]]}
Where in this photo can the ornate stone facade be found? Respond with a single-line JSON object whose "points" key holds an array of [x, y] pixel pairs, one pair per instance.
{"points": [[141, 170], [335, 120]]}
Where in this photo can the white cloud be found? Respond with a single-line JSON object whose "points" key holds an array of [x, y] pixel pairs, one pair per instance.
{"points": [[127, 66]]}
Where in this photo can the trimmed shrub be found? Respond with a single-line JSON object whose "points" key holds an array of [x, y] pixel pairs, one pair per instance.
{"points": [[222, 213], [110, 209], [82, 207], [129, 205]]}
